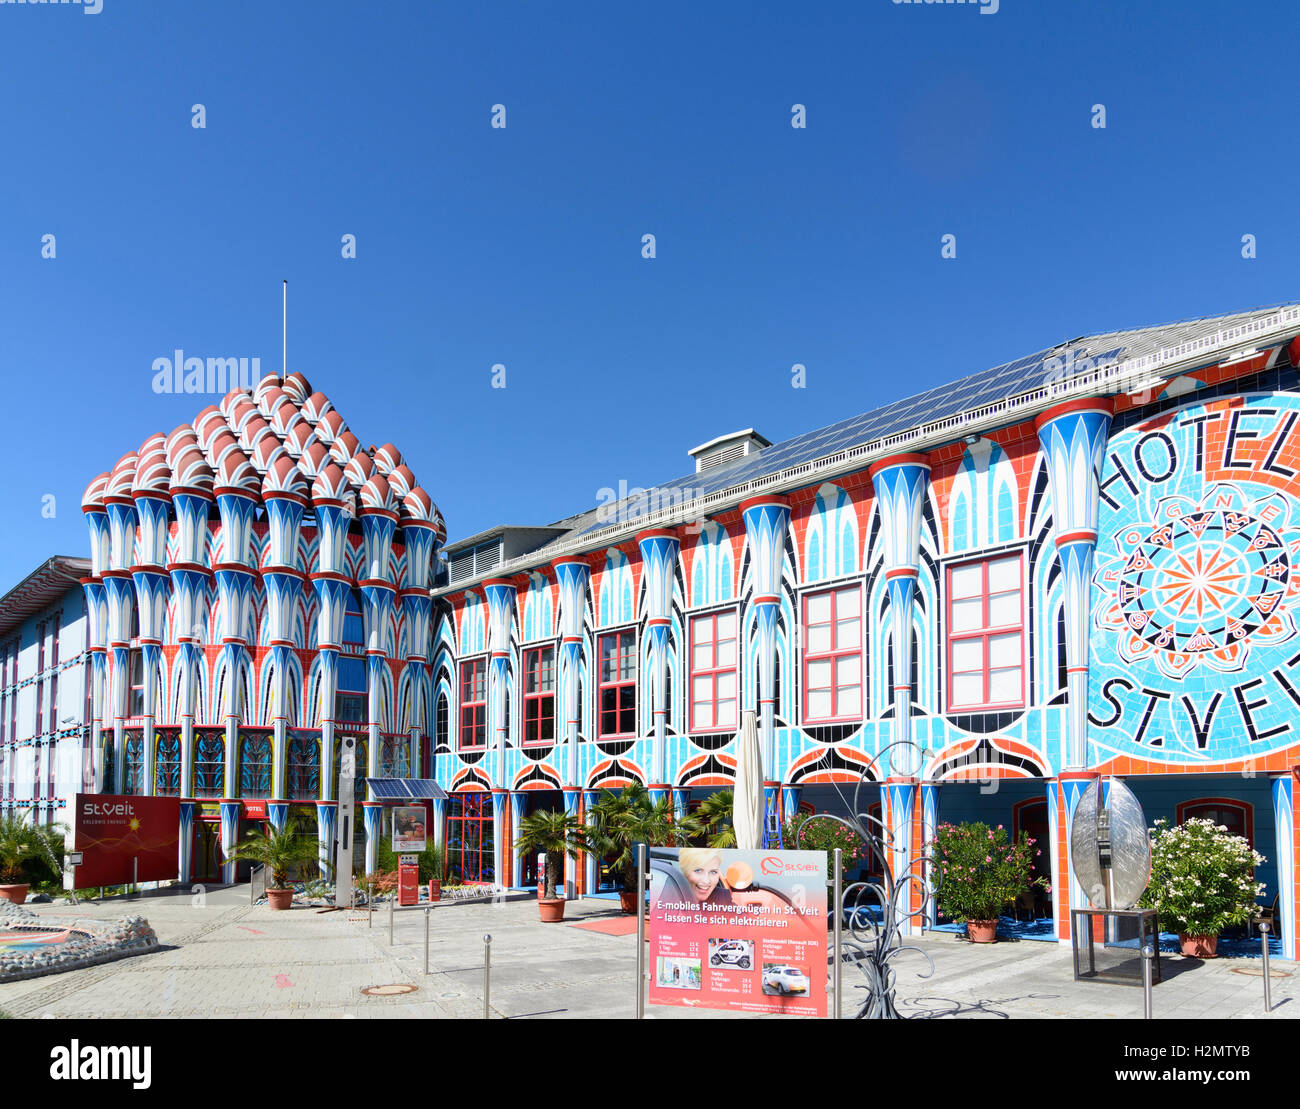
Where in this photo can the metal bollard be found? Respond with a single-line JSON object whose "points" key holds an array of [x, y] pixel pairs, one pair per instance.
{"points": [[391, 914], [1268, 984], [487, 976], [426, 940], [370, 907], [1148, 954]]}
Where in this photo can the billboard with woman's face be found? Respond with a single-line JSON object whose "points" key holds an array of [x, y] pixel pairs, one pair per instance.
{"points": [[408, 829]]}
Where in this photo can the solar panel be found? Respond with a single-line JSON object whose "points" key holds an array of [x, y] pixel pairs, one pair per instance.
{"points": [[402, 789]]}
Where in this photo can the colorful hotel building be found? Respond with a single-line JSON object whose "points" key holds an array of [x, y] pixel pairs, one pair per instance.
{"points": [[1072, 566]]}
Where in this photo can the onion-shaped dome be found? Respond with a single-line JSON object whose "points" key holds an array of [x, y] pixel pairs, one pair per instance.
{"points": [[284, 478], [221, 446], [152, 474], [268, 400], [268, 450], [297, 386], [270, 380], [315, 407], [208, 424], [156, 443], [417, 507], [330, 484], [376, 496], [191, 471], [92, 500], [330, 426], [232, 402], [236, 472], [387, 459], [181, 439], [241, 412], [253, 432], [286, 414], [300, 437], [121, 477], [359, 469], [401, 479], [314, 458], [344, 447]]}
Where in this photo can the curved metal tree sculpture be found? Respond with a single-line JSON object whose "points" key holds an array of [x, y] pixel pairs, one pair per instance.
{"points": [[872, 945]]}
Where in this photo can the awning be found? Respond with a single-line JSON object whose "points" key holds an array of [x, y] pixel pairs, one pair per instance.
{"points": [[406, 789]]}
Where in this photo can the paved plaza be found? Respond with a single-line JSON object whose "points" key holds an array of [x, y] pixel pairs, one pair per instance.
{"points": [[225, 958]]}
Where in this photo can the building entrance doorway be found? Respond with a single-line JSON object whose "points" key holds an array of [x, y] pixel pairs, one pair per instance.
{"points": [[1031, 821], [205, 852], [470, 837], [538, 801]]}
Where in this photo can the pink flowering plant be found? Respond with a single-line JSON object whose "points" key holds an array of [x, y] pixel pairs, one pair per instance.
{"points": [[803, 833], [1202, 878], [978, 871]]}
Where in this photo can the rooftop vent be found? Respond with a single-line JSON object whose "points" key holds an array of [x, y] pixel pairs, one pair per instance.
{"points": [[727, 448]]}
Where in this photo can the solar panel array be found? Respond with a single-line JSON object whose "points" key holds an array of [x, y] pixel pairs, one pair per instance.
{"points": [[404, 789], [987, 387]]}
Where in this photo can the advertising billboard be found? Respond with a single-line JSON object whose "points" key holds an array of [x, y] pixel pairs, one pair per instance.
{"points": [[408, 828], [113, 833], [741, 930]]}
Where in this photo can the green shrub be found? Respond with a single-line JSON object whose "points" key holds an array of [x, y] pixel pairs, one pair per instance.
{"points": [[1202, 878], [978, 872]]}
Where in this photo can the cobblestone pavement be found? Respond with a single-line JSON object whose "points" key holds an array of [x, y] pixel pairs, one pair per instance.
{"points": [[227, 959]]}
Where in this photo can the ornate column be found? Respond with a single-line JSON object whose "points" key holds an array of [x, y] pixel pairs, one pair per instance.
{"points": [[900, 484], [378, 523], [151, 588], [572, 875], [659, 550], [186, 843], [590, 862], [518, 799], [1073, 438], [1287, 847], [928, 829], [500, 596], [767, 519], [572, 577], [422, 532], [92, 506], [230, 810], [153, 503], [121, 595]]}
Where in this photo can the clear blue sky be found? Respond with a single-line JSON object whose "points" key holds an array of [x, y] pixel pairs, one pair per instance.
{"points": [[522, 246]]}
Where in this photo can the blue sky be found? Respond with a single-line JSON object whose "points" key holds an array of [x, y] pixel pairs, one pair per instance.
{"points": [[522, 245]]}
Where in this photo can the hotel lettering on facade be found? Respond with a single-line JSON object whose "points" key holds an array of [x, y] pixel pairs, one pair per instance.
{"points": [[1078, 564]]}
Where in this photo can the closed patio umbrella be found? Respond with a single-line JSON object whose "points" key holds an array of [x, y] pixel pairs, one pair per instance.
{"points": [[747, 802]]}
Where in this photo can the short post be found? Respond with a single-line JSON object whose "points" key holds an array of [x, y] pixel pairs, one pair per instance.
{"points": [[391, 913], [1268, 985], [640, 930], [135, 875], [370, 907], [1148, 953], [487, 976], [836, 899], [426, 940]]}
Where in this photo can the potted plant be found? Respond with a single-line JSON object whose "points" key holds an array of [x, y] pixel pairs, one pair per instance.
{"points": [[620, 821], [18, 844], [1202, 881], [802, 833], [977, 873], [279, 850], [557, 834]]}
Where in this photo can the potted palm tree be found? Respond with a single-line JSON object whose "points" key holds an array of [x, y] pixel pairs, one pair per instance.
{"points": [[715, 815], [18, 843], [280, 850], [620, 821], [557, 834]]}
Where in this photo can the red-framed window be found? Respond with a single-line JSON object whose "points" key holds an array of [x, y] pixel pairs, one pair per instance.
{"points": [[832, 655], [714, 672], [617, 693], [135, 700], [539, 695], [986, 634], [1237, 816], [473, 703]]}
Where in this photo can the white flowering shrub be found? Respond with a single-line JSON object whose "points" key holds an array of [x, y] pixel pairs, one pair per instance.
{"points": [[1202, 878]]}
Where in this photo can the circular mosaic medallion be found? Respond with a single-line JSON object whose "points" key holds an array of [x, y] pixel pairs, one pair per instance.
{"points": [[389, 991], [1199, 582]]}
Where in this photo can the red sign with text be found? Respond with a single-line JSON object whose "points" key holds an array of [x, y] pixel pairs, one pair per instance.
{"points": [[124, 837], [408, 880]]}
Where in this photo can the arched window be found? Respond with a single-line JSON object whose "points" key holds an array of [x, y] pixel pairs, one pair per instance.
{"points": [[209, 763], [442, 721], [1237, 816], [304, 768], [254, 765]]}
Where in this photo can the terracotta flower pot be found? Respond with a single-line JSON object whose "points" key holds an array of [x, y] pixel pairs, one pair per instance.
{"points": [[1198, 947], [551, 909], [17, 894], [982, 931], [627, 900], [279, 899]]}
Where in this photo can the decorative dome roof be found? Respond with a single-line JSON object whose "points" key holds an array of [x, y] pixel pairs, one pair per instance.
{"points": [[344, 446], [314, 457], [315, 407], [268, 399], [330, 426], [92, 500], [375, 495], [223, 443], [253, 432], [283, 477], [121, 477], [401, 479], [284, 417], [387, 459], [299, 438], [268, 450], [208, 424], [191, 471], [269, 381], [298, 388], [152, 474], [179, 441], [236, 472], [359, 470], [330, 485]]}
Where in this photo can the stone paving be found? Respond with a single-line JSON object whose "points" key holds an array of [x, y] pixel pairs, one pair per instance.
{"points": [[227, 959]]}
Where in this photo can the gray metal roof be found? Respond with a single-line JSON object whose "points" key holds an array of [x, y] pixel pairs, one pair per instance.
{"points": [[1108, 363]]}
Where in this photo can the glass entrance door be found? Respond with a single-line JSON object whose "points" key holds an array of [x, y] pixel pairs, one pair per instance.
{"points": [[470, 837]]}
